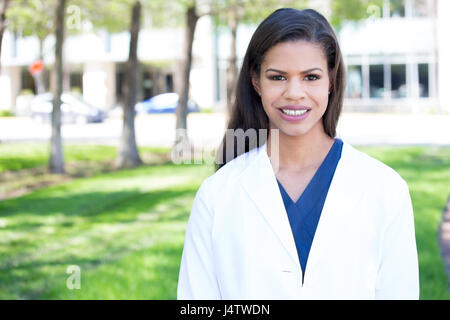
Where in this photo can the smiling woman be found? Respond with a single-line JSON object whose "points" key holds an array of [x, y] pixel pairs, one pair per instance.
{"points": [[300, 214], [292, 91]]}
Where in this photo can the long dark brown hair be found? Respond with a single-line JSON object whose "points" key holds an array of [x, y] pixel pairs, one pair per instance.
{"points": [[283, 25]]}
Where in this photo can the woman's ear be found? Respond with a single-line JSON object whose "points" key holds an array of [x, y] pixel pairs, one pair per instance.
{"points": [[330, 85], [255, 83]]}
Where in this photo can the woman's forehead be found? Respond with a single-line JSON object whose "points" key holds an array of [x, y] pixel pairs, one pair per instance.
{"points": [[295, 55]]}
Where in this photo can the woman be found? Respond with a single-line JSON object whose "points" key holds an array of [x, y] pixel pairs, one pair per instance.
{"points": [[296, 213]]}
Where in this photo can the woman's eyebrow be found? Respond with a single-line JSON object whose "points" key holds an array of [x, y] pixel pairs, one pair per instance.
{"points": [[284, 72]]}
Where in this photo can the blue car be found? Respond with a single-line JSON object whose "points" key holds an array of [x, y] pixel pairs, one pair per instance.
{"points": [[164, 103]]}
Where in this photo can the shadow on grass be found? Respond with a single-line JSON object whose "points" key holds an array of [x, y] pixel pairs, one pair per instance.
{"points": [[35, 267], [89, 204], [151, 273]]}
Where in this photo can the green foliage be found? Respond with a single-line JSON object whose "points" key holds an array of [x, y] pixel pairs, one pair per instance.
{"points": [[166, 14], [6, 113], [250, 12], [256, 12], [112, 15], [355, 10], [31, 17], [253, 12]]}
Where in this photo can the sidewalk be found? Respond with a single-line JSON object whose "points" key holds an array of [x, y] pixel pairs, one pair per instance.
{"points": [[207, 129]]}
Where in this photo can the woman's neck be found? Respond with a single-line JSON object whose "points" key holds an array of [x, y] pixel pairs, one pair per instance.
{"points": [[296, 153]]}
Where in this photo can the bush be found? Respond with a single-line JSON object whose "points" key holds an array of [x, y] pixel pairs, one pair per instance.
{"points": [[6, 113]]}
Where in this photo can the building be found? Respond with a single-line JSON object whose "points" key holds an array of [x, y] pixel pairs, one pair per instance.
{"points": [[397, 58], [396, 61], [94, 64]]}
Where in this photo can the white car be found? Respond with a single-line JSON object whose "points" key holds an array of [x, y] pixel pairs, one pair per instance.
{"points": [[74, 109]]}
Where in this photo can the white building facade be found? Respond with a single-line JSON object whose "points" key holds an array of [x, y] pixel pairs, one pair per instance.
{"points": [[398, 60]]}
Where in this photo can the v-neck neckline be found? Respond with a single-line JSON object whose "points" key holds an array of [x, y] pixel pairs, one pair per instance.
{"points": [[311, 182]]}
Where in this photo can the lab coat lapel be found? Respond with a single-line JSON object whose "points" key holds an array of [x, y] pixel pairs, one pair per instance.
{"points": [[342, 197], [260, 184]]}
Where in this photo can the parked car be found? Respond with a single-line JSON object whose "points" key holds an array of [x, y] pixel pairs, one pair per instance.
{"points": [[74, 109], [164, 103]]}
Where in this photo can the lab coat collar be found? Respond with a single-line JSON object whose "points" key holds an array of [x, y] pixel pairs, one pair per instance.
{"points": [[259, 182]]}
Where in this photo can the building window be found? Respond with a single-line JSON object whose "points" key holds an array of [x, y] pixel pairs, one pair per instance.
{"points": [[398, 81], [27, 80], [76, 82], [354, 82], [376, 78], [397, 8], [169, 82], [147, 85], [424, 91]]}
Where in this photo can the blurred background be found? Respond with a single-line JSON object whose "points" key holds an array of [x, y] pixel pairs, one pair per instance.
{"points": [[97, 96]]}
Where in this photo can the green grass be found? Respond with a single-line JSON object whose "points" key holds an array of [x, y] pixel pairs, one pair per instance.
{"points": [[125, 229], [18, 156], [427, 172], [23, 166]]}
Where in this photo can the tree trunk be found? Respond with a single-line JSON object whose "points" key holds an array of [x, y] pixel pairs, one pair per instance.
{"points": [[56, 164], [3, 7], [183, 85], [128, 155], [39, 77], [232, 68]]}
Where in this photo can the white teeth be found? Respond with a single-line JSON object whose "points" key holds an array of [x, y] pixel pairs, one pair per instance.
{"points": [[290, 112]]}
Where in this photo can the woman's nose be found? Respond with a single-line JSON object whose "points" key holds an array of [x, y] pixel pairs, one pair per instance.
{"points": [[294, 90]]}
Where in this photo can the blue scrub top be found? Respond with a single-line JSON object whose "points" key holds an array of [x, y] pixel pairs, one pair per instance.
{"points": [[304, 214]]}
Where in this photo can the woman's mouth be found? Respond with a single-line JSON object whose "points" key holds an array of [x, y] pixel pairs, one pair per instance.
{"points": [[291, 112], [294, 114]]}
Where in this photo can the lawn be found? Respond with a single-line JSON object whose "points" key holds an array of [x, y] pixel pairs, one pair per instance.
{"points": [[125, 229], [427, 172]]}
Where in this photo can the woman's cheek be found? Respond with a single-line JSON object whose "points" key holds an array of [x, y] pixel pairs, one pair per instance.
{"points": [[320, 95]]}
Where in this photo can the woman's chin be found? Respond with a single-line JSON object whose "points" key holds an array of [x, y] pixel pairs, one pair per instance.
{"points": [[294, 132]]}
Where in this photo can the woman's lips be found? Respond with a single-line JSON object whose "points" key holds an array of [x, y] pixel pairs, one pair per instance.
{"points": [[295, 107], [293, 117]]}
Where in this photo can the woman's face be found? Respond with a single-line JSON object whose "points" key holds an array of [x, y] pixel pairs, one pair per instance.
{"points": [[294, 86]]}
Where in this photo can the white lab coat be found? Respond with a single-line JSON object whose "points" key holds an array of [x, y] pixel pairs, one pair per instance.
{"points": [[239, 243]]}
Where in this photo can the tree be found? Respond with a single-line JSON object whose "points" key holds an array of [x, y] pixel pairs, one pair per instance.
{"points": [[33, 18], [3, 7], [56, 163], [233, 17], [183, 82], [41, 18], [128, 155]]}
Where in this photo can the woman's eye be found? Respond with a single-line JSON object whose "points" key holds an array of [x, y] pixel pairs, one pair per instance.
{"points": [[312, 77], [277, 78]]}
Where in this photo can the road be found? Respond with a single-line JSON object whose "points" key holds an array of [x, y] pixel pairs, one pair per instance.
{"points": [[206, 130]]}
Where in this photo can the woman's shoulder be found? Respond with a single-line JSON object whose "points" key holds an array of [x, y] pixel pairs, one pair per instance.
{"points": [[229, 174], [369, 168], [235, 167]]}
